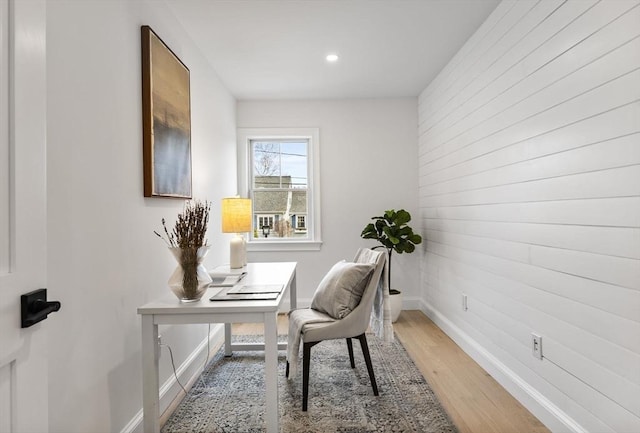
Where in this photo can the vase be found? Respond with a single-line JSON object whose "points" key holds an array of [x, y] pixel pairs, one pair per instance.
{"points": [[190, 279]]}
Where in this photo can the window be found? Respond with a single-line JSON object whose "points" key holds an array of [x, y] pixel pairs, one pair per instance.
{"points": [[265, 221], [278, 170], [300, 222]]}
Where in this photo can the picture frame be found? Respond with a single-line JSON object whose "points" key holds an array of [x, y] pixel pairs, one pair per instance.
{"points": [[166, 120]]}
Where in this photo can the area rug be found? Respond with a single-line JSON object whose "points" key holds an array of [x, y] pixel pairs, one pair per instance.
{"points": [[229, 396]]}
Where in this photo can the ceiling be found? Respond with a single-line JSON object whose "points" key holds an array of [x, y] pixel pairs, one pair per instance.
{"points": [[267, 49]]}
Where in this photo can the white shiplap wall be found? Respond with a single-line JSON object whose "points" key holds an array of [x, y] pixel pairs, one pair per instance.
{"points": [[529, 146]]}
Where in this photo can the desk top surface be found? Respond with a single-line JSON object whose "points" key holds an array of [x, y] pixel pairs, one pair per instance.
{"points": [[257, 273]]}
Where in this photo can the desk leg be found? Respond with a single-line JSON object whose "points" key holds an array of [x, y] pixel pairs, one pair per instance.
{"points": [[293, 295], [227, 339], [150, 381], [271, 371]]}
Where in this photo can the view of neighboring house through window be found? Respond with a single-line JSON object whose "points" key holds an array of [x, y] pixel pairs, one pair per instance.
{"points": [[279, 188]]}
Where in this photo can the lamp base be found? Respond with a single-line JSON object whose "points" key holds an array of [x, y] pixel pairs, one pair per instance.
{"points": [[237, 252]]}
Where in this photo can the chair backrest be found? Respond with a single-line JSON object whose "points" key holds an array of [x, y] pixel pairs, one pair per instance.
{"points": [[360, 316]]}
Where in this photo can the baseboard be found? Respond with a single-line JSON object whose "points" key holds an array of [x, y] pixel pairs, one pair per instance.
{"points": [[548, 413], [410, 302], [187, 372]]}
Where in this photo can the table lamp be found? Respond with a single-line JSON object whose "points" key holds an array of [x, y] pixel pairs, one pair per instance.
{"points": [[236, 218]]}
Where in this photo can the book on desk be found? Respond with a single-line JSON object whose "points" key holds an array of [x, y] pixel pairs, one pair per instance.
{"points": [[249, 292], [223, 276], [225, 280]]}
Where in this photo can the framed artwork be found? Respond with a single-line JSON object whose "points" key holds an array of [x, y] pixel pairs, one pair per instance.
{"points": [[166, 120]]}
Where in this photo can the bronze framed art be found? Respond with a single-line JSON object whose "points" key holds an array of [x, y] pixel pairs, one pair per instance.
{"points": [[166, 120]]}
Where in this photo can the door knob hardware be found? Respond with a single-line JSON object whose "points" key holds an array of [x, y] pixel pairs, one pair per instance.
{"points": [[35, 307]]}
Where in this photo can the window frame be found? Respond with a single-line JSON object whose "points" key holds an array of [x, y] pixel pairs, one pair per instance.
{"points": [[313, 224]]}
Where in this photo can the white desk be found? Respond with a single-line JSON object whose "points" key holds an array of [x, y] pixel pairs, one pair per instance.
{"points": [[169, 310]]}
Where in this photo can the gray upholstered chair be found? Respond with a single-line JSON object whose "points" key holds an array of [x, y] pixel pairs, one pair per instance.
{"points": [[322, 326]]}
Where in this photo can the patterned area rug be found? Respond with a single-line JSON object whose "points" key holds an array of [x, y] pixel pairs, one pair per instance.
{"points": [[229, 397]]}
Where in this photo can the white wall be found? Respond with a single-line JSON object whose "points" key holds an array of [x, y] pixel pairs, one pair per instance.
{"points": [[104, 260], [529, 150], [367, 165]]}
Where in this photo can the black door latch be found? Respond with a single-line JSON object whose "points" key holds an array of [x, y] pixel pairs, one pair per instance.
{"points": [[34, 307]]}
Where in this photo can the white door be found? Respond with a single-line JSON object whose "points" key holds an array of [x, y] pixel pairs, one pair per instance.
{"points": [[23, 352]]}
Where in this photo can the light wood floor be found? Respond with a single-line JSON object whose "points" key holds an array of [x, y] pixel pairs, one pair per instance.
{"points": [[473, 399]]}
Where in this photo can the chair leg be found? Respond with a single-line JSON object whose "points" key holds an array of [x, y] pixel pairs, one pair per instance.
{"points": [[350, 348], [306, 358], [367, 360], [286, 373]]}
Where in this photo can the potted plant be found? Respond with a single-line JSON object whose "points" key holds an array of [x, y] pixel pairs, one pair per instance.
{"points": [[391, 230]]}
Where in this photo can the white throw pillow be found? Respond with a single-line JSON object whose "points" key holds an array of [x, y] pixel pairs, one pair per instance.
{"points": [[341, 289]]}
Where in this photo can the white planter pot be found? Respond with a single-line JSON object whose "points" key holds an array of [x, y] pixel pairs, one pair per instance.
{"points": [[396, 306]]}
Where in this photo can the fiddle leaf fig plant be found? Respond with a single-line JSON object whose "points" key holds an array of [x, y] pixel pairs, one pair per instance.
{"points": [[394, 234]]}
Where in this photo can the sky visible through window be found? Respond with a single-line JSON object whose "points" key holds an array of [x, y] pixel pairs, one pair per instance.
{"points": [[282, 158]]}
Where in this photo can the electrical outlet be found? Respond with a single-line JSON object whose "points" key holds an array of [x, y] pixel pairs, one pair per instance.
{"points": [[536, 346], [465, 306]]}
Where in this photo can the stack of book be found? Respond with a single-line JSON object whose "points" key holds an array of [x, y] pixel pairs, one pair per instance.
{"points": [[229, 280], [223, 276], [249, 292]]}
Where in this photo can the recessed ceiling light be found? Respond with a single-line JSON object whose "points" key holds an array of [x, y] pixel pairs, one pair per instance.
{"points": [[332, 58]]}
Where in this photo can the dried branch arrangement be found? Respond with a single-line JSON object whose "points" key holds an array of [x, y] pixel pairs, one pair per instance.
{"points": [[190, 226], [187, 237]]}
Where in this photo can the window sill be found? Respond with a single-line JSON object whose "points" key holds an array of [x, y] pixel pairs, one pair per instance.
{"points": [[284, 246]]}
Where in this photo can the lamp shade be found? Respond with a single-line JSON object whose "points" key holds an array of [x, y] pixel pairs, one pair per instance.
{"points": [[236, 215]]}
